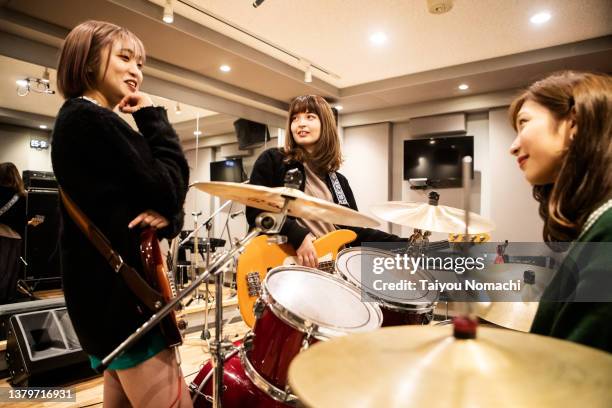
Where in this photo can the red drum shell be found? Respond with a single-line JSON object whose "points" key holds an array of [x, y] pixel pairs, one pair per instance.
{"points": [[239, 391]]}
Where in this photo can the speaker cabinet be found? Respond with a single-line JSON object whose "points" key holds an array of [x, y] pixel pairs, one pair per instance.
{"points": [[40, 244], [42, 349]]}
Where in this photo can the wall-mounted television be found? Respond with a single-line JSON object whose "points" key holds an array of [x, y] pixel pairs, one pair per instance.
{"points": [[437, 159], [227, 170]]}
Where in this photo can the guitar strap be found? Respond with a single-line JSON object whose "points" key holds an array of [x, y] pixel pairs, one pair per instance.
{"points": [[338, 188], [151, 298]]}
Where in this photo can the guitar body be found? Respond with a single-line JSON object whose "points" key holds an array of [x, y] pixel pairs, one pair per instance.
{"points": [[157, 278], [260, 256]]}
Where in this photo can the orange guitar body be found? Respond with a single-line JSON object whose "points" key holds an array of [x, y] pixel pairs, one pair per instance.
{"points": [[157, 278], [260, 256]]}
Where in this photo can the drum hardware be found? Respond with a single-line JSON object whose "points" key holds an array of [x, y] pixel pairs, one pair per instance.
{"points": [[259, 307]]}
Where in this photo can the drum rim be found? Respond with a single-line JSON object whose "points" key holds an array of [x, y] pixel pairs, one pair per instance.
{"points": [[305, 325], [418, 307]]}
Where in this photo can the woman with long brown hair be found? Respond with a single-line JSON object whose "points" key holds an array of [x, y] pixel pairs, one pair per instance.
{"points": [[122, 180], [312, 146], [564, 148]]}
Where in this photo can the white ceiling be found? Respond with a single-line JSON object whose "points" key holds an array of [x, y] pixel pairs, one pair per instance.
{"points": [[489, 44], [334, 34]]}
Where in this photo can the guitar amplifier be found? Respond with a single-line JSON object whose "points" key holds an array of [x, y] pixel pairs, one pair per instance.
{"points": [[40, 242], [34, 179]]}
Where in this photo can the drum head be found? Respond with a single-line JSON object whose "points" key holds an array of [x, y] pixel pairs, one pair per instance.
{"points": [[308, 298], [355, 265]]}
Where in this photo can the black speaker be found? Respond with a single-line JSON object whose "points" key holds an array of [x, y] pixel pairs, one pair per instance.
{"points": [[40, 243], [42, 349], [250, 134]]}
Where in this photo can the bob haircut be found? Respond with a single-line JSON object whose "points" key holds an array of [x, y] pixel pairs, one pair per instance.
{"points": [[326, 156], [9, 177], [584, 180], [81, 55]]}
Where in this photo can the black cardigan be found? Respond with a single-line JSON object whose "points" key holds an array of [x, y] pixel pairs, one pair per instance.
{"points": [[113, 173], [269, 170]]}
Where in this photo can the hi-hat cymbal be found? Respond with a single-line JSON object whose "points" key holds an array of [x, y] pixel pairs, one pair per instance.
{"points": [[435, 218], [273, 199], [417, 366], [519, 314]]}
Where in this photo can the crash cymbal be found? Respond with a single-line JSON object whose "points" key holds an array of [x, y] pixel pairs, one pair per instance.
{"points": [[272, 199], [518, 314], [435, 218], [424, 366]]}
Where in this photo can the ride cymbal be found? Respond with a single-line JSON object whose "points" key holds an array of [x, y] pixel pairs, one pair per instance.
{"points": [[428, 217], [425, 366], [273, 199]]}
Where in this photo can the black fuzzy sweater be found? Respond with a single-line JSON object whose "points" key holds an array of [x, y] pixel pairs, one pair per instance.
{"points": [[113, 173]]}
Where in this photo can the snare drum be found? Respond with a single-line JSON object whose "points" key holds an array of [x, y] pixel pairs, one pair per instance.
{"points": [[398, 307], [299, 306]]}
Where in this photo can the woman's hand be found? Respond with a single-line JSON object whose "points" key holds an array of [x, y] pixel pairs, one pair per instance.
{"points": [[306, 253], [134, 101], [149, 218]]}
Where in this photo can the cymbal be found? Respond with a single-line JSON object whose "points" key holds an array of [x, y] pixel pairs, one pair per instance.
{"points": [[517, 315], [425, 366], [435, 218], [273, 199]]}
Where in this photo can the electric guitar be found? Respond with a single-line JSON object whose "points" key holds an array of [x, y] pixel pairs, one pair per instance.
{"points": [[158, 279], [260, 256]]}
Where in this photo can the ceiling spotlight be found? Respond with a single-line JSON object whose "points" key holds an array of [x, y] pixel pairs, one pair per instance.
{"points": [[432, 141], [38, 85], [225, 68], [168, 12], [308, 74], [45, 76], [42, 126], [339, 107], [463, 87], [178, 110], [197, 133], [378, 38], [257, 3], [540, 18]]}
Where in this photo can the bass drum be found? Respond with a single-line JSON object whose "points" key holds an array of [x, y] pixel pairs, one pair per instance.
{"points": [[239, 391]]}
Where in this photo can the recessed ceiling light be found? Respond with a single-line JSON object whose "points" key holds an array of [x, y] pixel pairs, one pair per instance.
{"points": [[378, 38], [540, 18], [432, 141], [339, 107], [225, 68], [463, 87], [197, 133], [42, 126]]}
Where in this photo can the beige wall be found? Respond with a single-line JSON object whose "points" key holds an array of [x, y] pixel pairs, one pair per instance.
{"points": [[512, 207], [367, 165], [15, 147]]}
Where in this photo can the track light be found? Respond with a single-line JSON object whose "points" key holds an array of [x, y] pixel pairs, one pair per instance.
{"points": [[168, 12], [257, 3], [38, 85], [178, 110], [308, 74]]}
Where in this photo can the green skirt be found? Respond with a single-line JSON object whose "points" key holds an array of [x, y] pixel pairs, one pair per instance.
{"points": [[148, 346]]}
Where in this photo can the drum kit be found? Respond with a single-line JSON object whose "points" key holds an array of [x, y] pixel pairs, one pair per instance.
{"points": [[316, 343]]}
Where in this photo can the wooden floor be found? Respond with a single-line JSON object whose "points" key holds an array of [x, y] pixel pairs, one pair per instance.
{"points": [[194, 353]]}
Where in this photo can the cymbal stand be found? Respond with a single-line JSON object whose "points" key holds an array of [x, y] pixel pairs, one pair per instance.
{"points": [[266, 222]]}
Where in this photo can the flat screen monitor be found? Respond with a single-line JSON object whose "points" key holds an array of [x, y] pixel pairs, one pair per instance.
{"points": [[227, 170], [437, 159]]}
